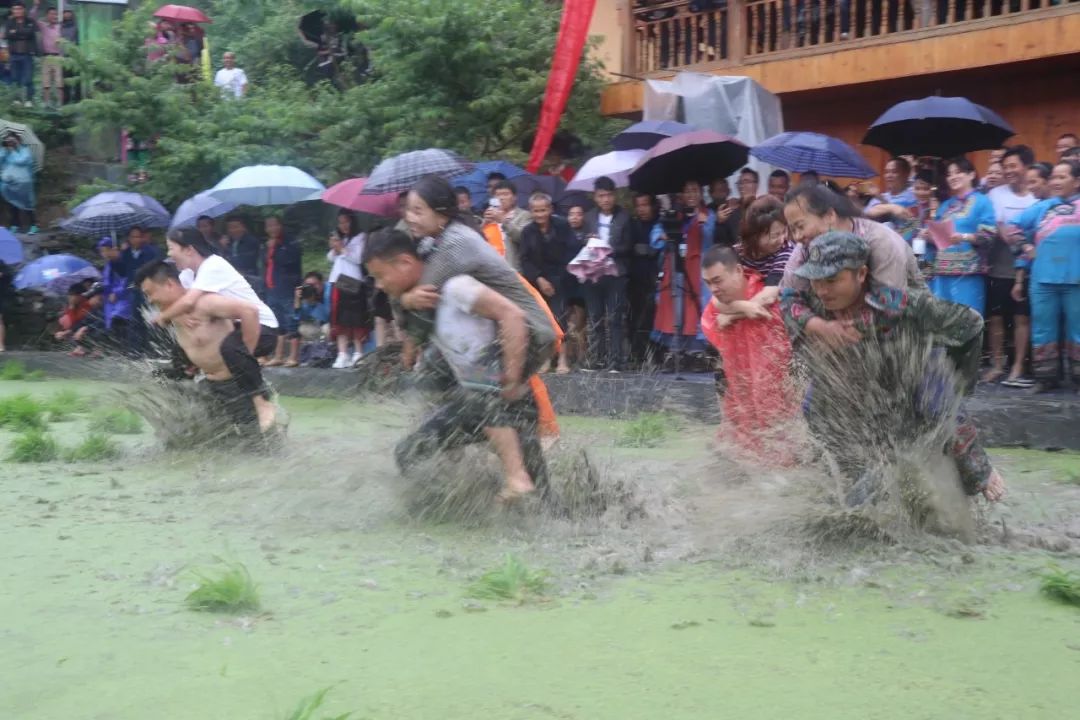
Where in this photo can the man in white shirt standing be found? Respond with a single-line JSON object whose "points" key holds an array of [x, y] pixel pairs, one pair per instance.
{"points": [[231, 79], [1009, 199]]}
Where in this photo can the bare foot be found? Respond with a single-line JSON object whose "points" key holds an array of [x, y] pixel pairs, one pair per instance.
{"points": [[992, 375], [516, 487], [995, 488], [562, 369], [274, 363]]}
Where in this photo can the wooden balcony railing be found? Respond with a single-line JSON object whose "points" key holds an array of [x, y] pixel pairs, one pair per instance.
{"points": [[673, 34]]}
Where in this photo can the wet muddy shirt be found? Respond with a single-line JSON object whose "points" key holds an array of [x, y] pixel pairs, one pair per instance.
{"points": [[460, 250]]}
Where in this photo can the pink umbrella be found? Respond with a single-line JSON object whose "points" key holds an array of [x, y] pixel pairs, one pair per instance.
{"points": [[346, 194], [182, 14]]}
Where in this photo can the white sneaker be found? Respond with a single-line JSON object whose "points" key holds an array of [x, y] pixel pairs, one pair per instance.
{"points": [[342, 362], [356, 358]]}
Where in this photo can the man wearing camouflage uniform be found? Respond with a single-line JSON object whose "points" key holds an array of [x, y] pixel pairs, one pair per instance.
{"points": [[917, 356]]}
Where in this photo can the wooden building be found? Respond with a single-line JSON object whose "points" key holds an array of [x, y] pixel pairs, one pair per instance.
{"points": [[838, 64]]}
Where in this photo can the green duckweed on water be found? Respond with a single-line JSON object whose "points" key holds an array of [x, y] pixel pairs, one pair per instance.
{"points": [[690, 596]]}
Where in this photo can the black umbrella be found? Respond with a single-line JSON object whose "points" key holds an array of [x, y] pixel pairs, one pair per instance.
{"points": [[701, 155], [552, 185], [938, 127], [311, 25]]}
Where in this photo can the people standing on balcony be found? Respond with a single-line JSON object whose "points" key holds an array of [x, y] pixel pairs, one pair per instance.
{"points": [[605, 298], [1009, 200], [1051, 230], [959, 266], [779, 184], [52, 66], [21, 35], [681, 290]]}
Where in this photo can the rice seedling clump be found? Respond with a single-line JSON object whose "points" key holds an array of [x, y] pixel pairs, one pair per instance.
{"points": [[118, 421], [34, 446], [231, 591], [96, 446], [21, 412], [1062, 585], [512, 581]]}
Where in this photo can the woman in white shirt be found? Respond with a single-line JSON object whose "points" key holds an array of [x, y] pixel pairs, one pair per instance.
{"points": [[350, 317], [202, 270]]}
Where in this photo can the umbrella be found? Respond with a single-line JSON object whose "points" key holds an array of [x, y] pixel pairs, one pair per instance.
{"points": [[476, 181], [803, 151], [615, 165], [402, 171], [701, 155], [645, 135], [11, 249], [182, 13], [133, 199], [114, 219], [196, 206], [26, 137], [311, 24], [346, 194], [44, 271], [267, 185], [552, 185], [60, 285], [938, 127]]}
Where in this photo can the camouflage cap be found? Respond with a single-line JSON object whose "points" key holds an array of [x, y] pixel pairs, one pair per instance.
{"points": [[832, 252]]}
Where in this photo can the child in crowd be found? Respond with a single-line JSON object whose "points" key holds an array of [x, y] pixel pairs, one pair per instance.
{"points": [[83, 321]]}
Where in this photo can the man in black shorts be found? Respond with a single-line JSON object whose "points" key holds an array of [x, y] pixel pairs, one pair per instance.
{"points": [[218, 337], [485, 337]]}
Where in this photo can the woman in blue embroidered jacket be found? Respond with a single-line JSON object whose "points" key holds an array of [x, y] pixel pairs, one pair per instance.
{"points": [[959, 270], [1052, 232]]}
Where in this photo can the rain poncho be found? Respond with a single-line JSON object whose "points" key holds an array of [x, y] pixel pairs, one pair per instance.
{"points": [[17, 177]]}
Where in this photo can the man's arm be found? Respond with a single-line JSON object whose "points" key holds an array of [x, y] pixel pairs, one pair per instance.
{"points": [[181, 307], [232, 309]]}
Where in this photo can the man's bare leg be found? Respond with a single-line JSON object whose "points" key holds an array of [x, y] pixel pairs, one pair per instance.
{"points": [[266, 412], [507, 446]]}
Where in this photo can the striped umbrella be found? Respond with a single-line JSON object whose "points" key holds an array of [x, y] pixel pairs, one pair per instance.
{"points": [[133, 199], [26, 137], [112, 219], [805, 151], [402, 171]]}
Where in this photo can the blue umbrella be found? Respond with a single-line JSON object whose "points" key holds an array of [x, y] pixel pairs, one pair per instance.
{"points": [[644, 135], [11, 249], [938, 127], [803, 151], [195, 207], [133, 199], [51, 268], [114, 218], [267, 185], [476, 181]]}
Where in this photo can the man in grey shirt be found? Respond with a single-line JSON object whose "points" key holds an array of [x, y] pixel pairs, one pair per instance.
{"points": [[483, 391]]}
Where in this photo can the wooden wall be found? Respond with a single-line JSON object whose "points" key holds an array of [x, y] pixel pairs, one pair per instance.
{"points": [[1032, 97]]}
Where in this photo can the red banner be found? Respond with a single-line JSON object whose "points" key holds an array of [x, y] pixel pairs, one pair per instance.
{"points": [[573, 31]]}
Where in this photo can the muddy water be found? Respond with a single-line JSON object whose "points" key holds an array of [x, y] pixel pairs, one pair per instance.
{"points": [[693, 596]]}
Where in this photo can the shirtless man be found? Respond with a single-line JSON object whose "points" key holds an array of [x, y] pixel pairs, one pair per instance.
{"points": [[208, 336]]}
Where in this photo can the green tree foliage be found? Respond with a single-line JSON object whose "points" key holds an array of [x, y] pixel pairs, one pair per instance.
{"points": [[468, 75]]}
